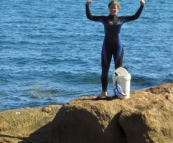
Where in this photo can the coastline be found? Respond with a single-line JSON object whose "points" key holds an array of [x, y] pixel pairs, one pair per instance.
{"points": [[26, 125]]}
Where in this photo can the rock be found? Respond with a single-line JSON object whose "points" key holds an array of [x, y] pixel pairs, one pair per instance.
{"points": [[144, 118], [30, 125]]}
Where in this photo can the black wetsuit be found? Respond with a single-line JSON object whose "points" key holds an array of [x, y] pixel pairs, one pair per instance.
{"points": [[112, 45]]}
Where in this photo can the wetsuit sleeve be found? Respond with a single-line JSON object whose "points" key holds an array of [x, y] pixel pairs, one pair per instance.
{"points": [[133, 17], [90, 16]]}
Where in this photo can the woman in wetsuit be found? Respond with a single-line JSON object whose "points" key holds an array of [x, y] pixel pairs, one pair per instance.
{"points": [[112, 45]]}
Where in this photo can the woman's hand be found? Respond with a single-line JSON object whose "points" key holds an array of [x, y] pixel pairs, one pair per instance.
{"points": [[142, 2], [88, 2]]}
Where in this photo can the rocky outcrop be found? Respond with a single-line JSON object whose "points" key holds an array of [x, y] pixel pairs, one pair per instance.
{"points": [[144, 118], [30, 125]]}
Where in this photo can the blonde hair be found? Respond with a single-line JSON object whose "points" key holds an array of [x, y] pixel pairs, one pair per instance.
{"points": [[114, 2]]}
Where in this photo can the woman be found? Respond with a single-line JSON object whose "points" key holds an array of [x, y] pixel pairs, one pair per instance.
{"points": [[112, 45]]}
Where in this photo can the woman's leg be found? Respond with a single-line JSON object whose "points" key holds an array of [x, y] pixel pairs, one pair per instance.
{"points": [[118, 53], [105, 63], [119, 62]]}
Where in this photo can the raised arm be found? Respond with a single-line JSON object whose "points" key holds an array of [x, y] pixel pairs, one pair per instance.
{"points": [[136, 15], [88, 13]]}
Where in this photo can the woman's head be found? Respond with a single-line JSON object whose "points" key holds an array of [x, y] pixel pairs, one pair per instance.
{"points": [[113, 7]]}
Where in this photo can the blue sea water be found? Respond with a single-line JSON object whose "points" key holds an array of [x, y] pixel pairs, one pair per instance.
{"points": [[50, 51]]}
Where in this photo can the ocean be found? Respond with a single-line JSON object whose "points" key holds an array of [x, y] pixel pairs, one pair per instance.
{"points": [[50, 52]]}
